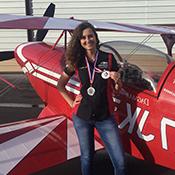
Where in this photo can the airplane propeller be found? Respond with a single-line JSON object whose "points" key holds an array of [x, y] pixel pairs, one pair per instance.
{"points": [[40, 35], [6, 55]]}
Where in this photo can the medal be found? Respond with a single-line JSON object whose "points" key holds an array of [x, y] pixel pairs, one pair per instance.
{"points": [[91, 91], [105, 74]]}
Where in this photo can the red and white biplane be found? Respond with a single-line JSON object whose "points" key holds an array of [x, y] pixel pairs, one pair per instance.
{"points": [[144, 108]]}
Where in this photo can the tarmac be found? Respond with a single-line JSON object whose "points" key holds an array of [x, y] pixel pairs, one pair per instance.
{"points": [[19, 101]]}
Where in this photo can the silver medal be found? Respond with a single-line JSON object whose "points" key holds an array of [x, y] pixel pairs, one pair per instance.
{"points": [[91, 91], [105, 74]]}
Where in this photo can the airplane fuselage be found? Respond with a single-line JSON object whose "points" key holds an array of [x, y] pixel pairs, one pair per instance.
{"points": [[146, 120]]}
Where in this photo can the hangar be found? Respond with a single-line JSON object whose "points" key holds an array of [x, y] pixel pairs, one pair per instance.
{"points": [[126, 11]]}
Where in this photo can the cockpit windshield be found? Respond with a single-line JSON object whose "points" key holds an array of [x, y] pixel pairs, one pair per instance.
{"points": [[143, 63]]}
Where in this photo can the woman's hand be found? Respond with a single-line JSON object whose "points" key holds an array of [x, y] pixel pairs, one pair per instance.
{"points": [[116, 77], [77, 100]]}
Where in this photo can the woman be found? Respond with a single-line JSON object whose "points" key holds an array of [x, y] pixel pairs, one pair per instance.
{"points": [[93, 111]]}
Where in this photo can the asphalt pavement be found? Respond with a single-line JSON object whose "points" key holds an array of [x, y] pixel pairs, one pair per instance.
{"points": [[19, 101], [103, 166]]}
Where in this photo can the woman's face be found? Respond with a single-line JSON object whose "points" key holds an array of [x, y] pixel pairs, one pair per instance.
{"points": [[88, 40]]}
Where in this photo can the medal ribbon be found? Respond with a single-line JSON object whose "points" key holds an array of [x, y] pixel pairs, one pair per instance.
{"points": [[98, 70], [91, 77]]}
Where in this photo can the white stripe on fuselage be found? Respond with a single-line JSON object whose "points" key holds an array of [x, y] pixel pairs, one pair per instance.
{"points": [[34, 70], [20, 48], [54, 74]]}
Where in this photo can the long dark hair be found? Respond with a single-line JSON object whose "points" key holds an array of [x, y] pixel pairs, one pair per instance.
{"points": [[74, 50]]}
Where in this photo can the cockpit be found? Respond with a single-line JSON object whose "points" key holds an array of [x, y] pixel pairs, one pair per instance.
{"points": [[141, 65]]}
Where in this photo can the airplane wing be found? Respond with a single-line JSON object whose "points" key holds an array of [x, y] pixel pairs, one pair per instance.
{"points": [[31, 22]]}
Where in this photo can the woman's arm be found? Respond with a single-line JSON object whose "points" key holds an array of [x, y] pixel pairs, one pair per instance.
{"points": [[115, 74], [62, 82]]}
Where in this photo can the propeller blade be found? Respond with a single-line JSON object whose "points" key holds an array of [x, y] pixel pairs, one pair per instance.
{"points": [[40, 35], [6, 55]]}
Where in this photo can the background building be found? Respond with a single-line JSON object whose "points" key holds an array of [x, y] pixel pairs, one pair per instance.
{"points": [[126, 11]]}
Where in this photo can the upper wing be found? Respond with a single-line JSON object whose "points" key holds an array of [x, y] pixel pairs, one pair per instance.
{"points": [[31, 22], [134, 28]]}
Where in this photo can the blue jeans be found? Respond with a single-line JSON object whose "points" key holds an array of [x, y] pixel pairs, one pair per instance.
{"points": [[109, 133]]}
